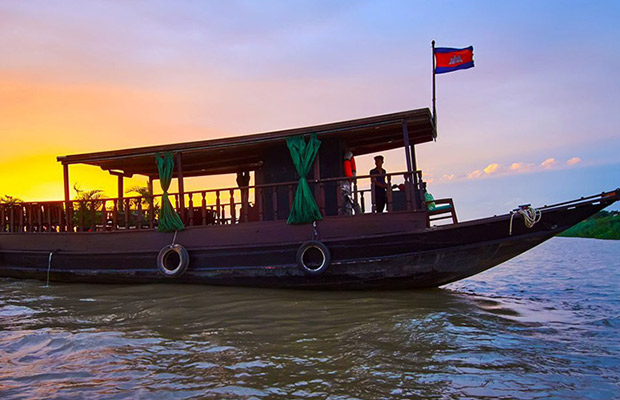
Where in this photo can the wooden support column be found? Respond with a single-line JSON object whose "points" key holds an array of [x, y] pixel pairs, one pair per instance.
{"points": [[417, 185], [68, 205], [120, 188], [151, 202], [65, 171], [150, 185], [179, 160], [411, 187]]}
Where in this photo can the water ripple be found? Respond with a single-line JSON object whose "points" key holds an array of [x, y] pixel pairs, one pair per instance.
{"points": [[544, 325]]}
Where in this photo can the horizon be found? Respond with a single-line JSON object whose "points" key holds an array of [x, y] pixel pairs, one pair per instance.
{"points": [[107, 76]]}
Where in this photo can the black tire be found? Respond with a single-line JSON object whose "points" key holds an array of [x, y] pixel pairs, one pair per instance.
{"points": [[322, 257], [164, 260]]}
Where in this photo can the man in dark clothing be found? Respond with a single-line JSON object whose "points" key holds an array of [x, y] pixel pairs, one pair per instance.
{"points": [[378, 183]]}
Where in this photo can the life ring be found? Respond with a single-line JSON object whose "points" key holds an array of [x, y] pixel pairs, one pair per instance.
{"points": [[313, 257], [176, 255]]}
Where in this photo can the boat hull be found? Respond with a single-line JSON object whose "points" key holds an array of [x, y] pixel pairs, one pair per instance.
{"points": [[389, 251]]}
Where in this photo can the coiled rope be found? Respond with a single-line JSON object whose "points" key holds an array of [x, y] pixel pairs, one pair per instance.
{"points": [[530, 216]]}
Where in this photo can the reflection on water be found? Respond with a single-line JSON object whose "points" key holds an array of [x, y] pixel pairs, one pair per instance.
{"points": [[543, 325]]}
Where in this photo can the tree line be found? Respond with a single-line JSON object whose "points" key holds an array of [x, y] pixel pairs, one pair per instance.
{"points": [[602, 225]]}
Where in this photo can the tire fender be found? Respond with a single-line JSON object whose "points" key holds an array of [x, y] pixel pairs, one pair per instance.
{"points": [[164, 263], [324, 258]]}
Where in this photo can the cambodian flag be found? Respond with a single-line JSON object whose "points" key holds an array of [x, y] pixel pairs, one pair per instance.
{"points": [[448, 59]]}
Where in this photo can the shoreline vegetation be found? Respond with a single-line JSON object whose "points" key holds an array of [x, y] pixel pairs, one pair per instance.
{"points": [[602, 225]]}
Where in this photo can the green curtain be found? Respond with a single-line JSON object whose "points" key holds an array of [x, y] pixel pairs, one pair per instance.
{"points": [[304, 208], [169, 220]]}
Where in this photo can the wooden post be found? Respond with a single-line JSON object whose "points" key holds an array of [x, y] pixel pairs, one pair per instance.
{"points": [[389, 194], [259, 202], [151, 202], [218, 208], [274, 203], [191, 209], [48, 216], [120, 186], [40, 217], [126, 201], [434, 108], [181, 204], [233, 211], [417, 182], [115, 214], [203, 208], [68, 205], [410, 170]]}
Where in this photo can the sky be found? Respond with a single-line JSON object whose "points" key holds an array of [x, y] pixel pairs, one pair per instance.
{"points": [[535, 121]]}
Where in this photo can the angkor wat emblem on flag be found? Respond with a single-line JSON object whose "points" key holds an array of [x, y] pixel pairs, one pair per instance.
{"points": [[455, 59]]}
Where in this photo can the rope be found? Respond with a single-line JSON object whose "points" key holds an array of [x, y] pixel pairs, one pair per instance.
{"points": [[530, 216], [174, 238]]}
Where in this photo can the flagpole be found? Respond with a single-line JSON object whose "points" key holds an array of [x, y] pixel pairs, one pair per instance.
{"points": [[434, 108]]}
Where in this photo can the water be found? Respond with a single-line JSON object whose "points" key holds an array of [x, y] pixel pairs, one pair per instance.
{"points": [[544, 325]]}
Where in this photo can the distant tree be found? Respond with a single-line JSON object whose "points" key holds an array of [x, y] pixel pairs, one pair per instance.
{"points": [[603, 225]]}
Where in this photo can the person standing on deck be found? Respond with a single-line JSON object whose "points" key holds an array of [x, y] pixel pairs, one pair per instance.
{"points": [[378, 184], [350, 171]]}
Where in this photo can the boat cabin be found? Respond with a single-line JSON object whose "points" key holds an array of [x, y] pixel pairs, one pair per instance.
{"points": [[263, 158]]}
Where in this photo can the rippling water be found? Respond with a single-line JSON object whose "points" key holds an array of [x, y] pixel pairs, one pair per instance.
{"points": [[544, 325]]}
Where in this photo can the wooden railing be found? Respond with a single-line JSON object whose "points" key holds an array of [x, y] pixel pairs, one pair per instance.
{"points": [[230, 205]]}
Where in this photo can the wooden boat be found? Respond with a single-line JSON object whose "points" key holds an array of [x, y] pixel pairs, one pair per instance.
{"points": [[239, 235]]}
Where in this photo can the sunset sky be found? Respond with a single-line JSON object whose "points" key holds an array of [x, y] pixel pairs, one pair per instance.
{"points": [[536, 121]]}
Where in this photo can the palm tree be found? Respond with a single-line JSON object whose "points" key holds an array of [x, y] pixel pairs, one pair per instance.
{"points": [[10, 200], [89, 202], [145, 200]]}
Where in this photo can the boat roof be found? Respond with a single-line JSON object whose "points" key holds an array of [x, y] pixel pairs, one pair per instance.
{"points": [[233, 154]]}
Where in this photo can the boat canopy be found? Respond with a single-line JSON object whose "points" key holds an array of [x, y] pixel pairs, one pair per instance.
{"points": [[234, 154]]}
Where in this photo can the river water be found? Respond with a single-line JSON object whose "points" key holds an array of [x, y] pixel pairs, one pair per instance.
{"points": [[543, 325]]}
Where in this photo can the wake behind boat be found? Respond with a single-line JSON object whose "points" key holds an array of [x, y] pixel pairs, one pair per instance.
{"points": [[296, 217]]}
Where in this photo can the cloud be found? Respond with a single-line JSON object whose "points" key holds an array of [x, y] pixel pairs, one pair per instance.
{"points": [[573, 161], [548, 163], [491, 168], [447, 177], [476, 174], [520, 167]]}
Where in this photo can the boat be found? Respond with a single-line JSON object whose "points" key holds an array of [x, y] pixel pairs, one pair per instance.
{"points": [[292, 219]]}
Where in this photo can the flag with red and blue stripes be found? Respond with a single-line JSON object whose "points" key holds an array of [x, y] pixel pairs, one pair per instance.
{"points": [[448, 59]]}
